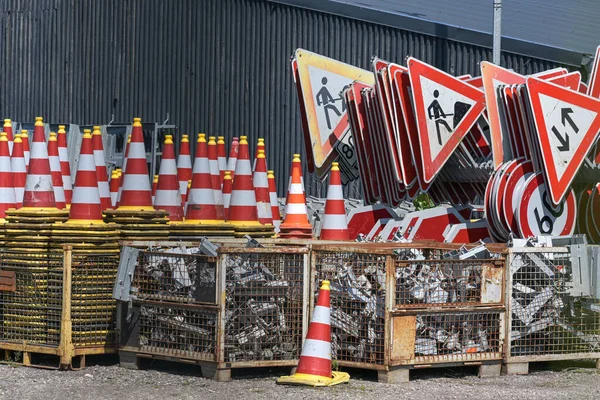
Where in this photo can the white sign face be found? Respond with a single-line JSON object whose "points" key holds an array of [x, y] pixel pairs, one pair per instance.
{"points": [[445, 109], [566, 125], [541, 216], [330, 106]]}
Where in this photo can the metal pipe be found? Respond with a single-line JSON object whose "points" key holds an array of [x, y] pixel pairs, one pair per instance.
{"points": [[497, 31]]}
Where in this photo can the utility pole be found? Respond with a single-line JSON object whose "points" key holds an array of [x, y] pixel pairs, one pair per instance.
{"points": [[497, 31]]}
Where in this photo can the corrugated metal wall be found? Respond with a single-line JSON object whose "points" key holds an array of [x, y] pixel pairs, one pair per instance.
{"points": [[215, 66]]}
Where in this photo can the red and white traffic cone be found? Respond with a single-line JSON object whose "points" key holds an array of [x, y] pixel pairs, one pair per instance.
{"points": [[154, 185], [65, 166], [334, 225], [214, 173], [295, 223], [242, 203], [101, 173], [314, 366], [296, 164], [7, 187], [221, 156], [227, 187], [184, 167], [114, 187], [86, 207], [261, 190], [168, 196], [233, 155], [39, 192], [137, 192], [9, 134], [201, 208], [260, 145], [121, 175], [19, 170], [273, 200], [57, 184], [26, 147]]}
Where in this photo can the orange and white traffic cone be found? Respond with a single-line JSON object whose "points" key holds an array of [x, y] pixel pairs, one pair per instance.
{"points": [[9, 135], [295, 223], [154, 185], [261, 190], [7, 187], [57, 184], [221, 156], [39, 192], [86, 207], [297, 164], [168, 196], [137, 192], [114, 187], [334, 225], [227, 187], [201, 208], [26, 147], [122, 174], [184, 167], [273, 200], [19, 170], [65, 166], [233, 155], [101, 173], [215, 175], [242, 203], [314, 366]]}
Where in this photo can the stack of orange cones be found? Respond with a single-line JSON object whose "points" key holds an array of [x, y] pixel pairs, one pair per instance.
{"points": [[221, 156], [65, 166], [295, 223], [26, 147], [7, 189], [57, 183], [39, 192], [233, 155], [19, 170], [215, 174], [261, 189], [184, 167], [273, 200], [227, 187], [101, 172], [334, 225], [260, 146], [9, 134], [168, 196]]}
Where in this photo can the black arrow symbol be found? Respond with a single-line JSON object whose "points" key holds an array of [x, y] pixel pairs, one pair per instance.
{"points": [[566, 117], [564, 142]]}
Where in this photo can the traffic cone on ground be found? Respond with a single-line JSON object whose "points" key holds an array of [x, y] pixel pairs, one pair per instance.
{"points": [[242, 203], [154, 185], [57, 184], [19, 171], [86, 207], [261, 190], [65, 166], [121, 175], [273, 201], [9, 135], [295, 223], [233, 155], [260, 145], [215, 173], [184, 167], [221, 156], [201, 208], [26, 147], [314, 366], [334, 225], [114, 187], [101, 173], [227, 187], [136, 192], [39, 192], [168, 196], [7, 188]]}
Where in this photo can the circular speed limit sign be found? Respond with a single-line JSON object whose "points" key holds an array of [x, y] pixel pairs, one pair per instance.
{"points": [[537, 215]]}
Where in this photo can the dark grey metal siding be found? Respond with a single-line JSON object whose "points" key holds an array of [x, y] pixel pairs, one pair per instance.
{"points": [[215, 66]]}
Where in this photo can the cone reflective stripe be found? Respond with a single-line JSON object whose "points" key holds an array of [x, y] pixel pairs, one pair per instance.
{"points": [[201, 199], [9, 135], [260, 145], [65, 166], [114, 187], [233, 155], [242, 203], [7, 188], [334, 225], [19, 171], [26, 149], [221, 156], [168, 196], [57, 184], [295, 223], [154, 185], [86, 207], [121, 177], [101, 173], [214, 173], [184, 167], [273, 200], [136, 192], [314, 366], [227, 187], [261, 190], [39, 192]]}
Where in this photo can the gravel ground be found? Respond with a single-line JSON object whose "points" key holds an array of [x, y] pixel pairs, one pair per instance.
{"points": [[574, 381]]}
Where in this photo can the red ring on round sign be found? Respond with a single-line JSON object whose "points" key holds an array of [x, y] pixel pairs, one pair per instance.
{"points": [[531, 192], [582, 206], [487, 208], [593, 217], [513, 190], [500, 187]]}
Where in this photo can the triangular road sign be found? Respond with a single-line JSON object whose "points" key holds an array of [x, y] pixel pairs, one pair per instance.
{"points": [[446, 108], [322, 81], [568, 124]]}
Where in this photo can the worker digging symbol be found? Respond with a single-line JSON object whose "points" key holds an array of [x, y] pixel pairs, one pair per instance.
{"points": [[325, 99], [436, 112]]}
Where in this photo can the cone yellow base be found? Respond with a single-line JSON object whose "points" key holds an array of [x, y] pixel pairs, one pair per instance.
{"points": [[315, 380]]}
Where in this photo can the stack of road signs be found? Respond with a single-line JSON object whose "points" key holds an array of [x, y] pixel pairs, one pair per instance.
{"points": [[588, 206]]}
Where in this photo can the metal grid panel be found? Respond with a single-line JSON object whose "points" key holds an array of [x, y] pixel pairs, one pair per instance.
{"points": [[32, 313], [92, 306], [178, 331], [546, 317], [264, 305], [358, 295], [181, 278]]}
